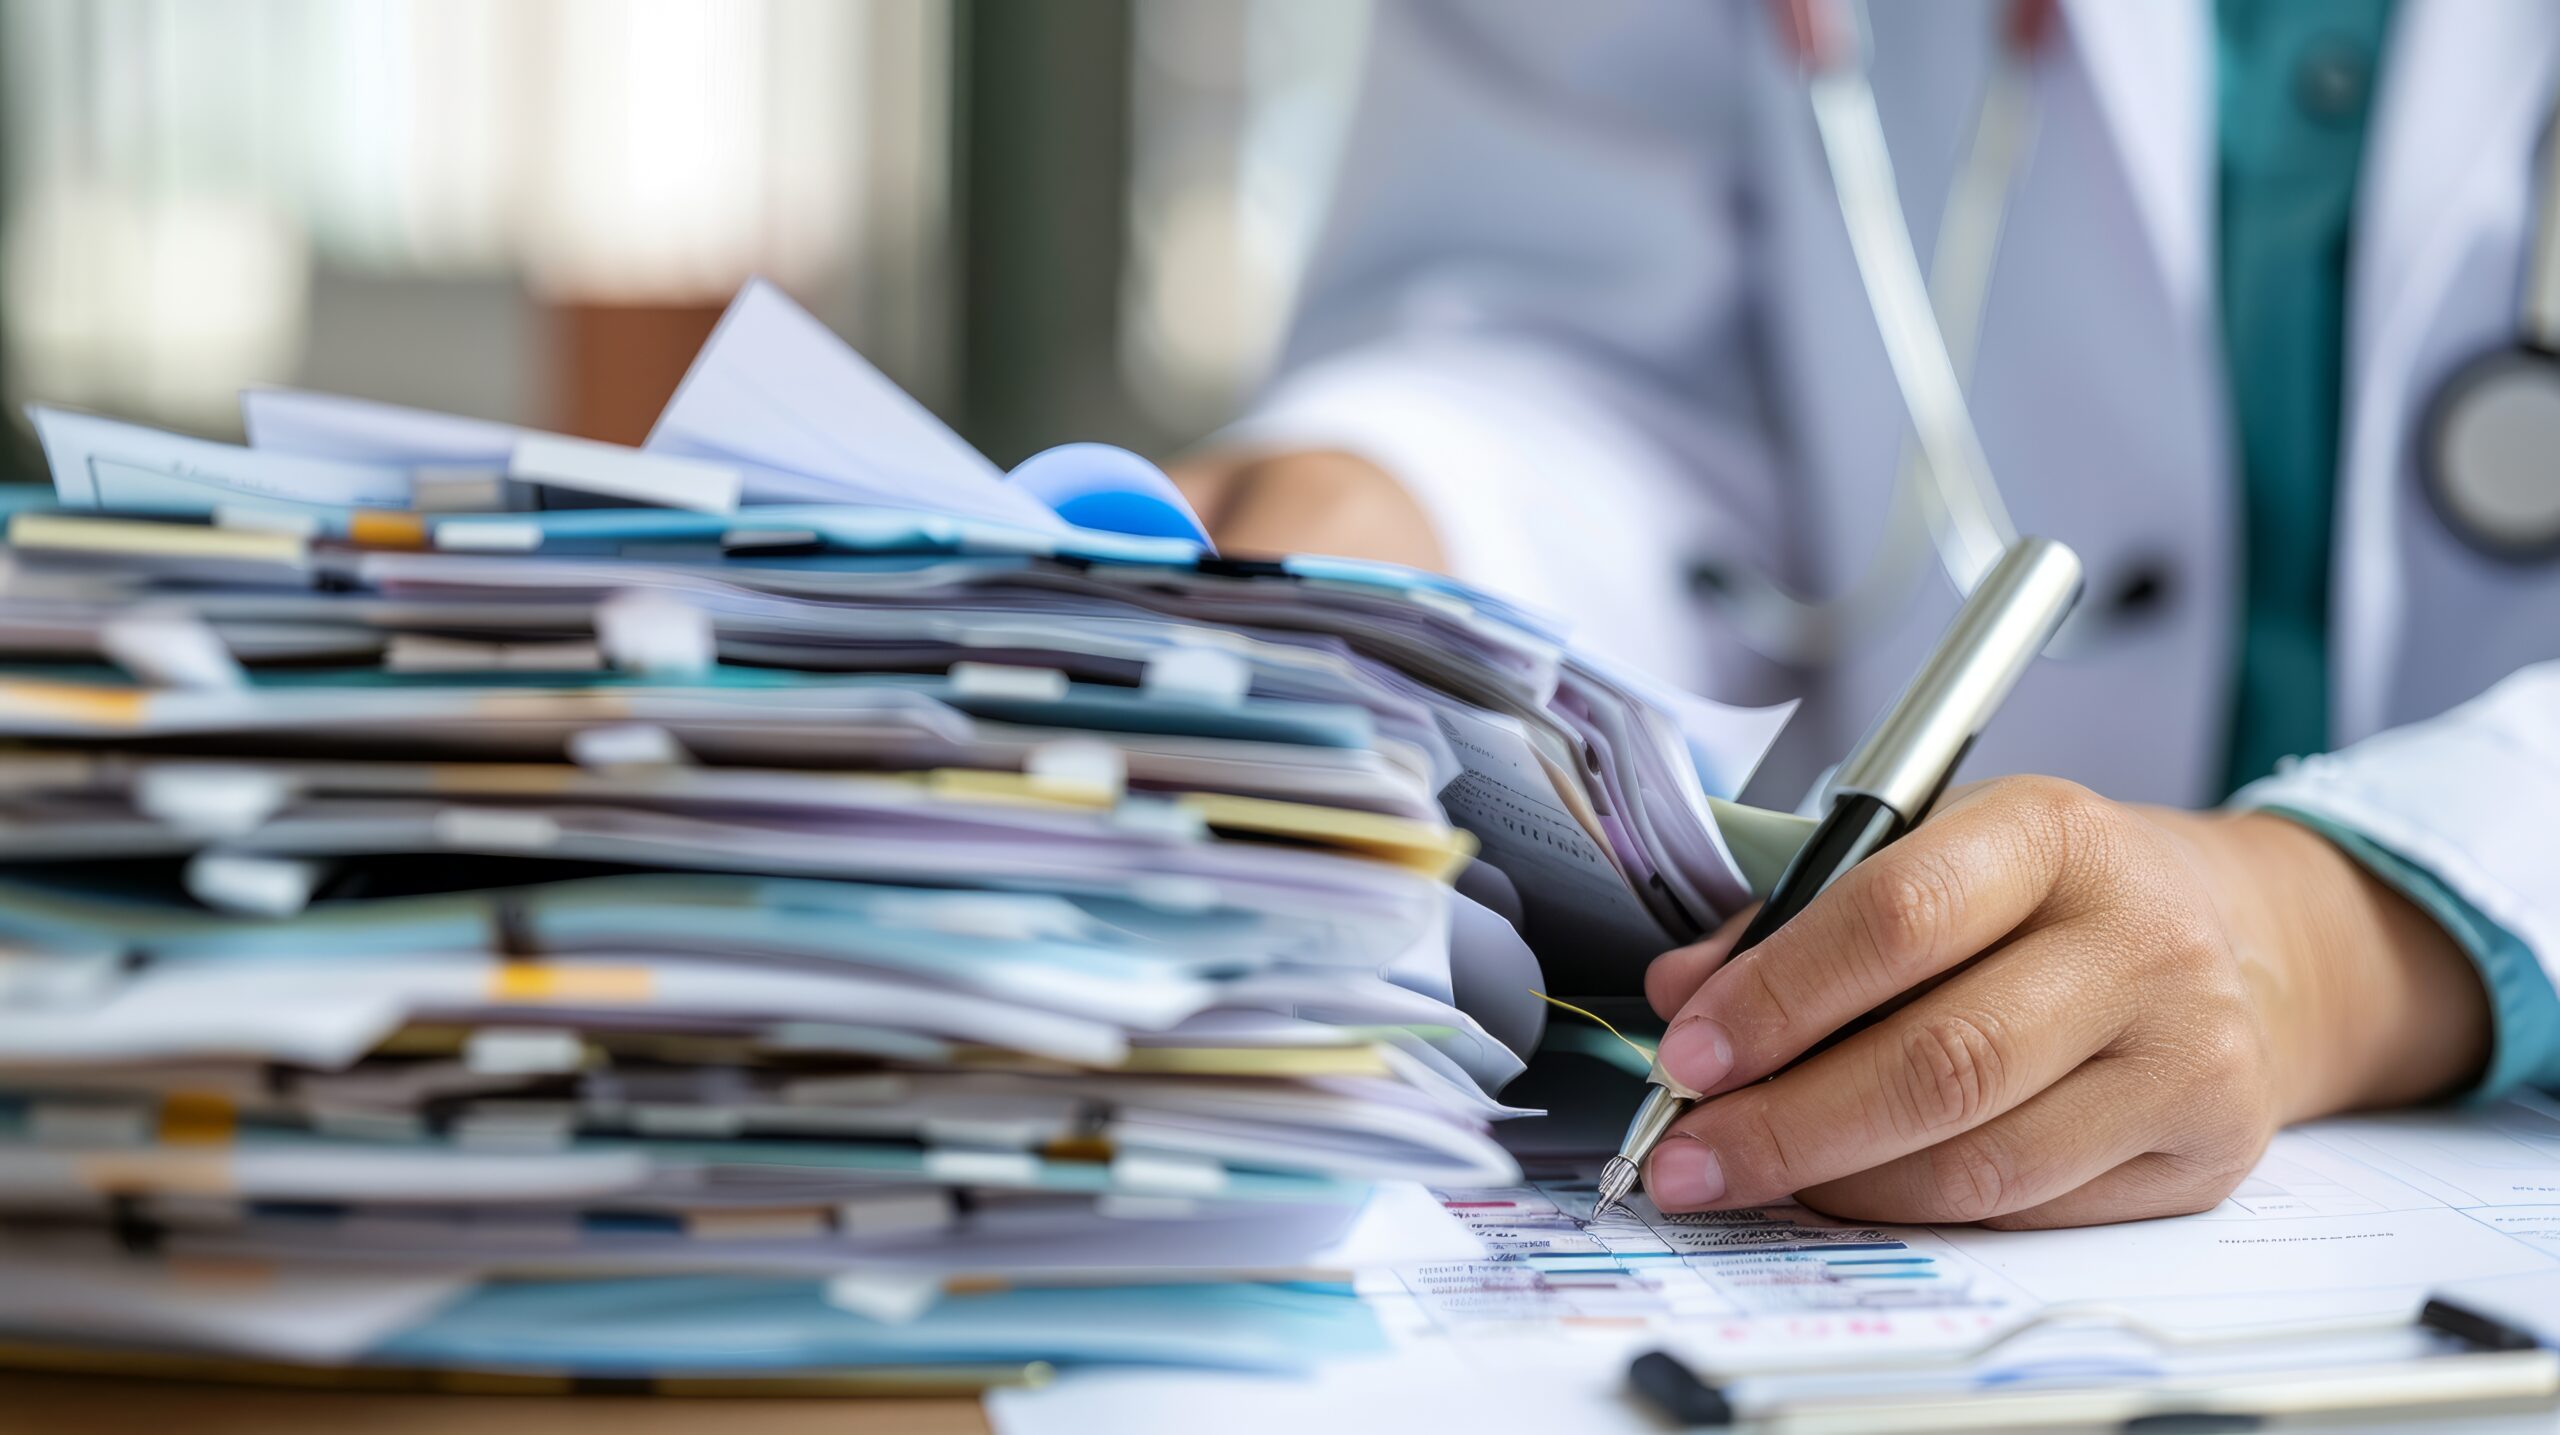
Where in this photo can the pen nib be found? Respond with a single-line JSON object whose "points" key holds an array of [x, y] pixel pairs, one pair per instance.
{"points": [[1616, 1180]]}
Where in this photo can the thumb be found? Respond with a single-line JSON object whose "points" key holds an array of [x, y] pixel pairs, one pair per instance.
{"points": [[1676, 975]]}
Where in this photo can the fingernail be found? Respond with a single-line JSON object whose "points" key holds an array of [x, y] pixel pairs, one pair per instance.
{"points": [[1684, 1175], [1698, 1052]]}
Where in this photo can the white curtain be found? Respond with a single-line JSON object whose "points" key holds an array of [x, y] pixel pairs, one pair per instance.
{"points": [[176, 167]]}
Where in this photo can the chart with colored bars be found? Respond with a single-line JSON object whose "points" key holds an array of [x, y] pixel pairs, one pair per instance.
{"points": [[1551, 1266], [2357, 1218]]}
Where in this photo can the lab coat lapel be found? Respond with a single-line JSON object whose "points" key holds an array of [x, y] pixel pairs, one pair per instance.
{"points": [[2464, 90], [2132, 90], [2150, 64]]}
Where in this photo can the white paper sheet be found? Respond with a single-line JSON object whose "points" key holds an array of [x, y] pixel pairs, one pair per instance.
{"points": [[335, 426], [1566, 878], [625, 475], [325, 1015], [773, 387], [255, 1309], [102, 463]]}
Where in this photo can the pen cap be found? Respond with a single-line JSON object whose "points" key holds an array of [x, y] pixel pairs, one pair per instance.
{"points": [[1908, 755]]}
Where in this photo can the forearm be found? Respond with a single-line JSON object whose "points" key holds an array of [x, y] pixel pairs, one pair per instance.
{"points": [[1308, 502]]}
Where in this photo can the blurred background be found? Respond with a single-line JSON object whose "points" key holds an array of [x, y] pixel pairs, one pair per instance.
{"points": [[1050, 219]]}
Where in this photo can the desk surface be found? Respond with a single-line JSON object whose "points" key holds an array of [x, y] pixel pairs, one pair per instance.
{"points": [[32, 1403], [144, 1407]]}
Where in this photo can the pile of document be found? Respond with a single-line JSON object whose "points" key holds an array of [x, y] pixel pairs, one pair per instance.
{"points": [[790, 900]]}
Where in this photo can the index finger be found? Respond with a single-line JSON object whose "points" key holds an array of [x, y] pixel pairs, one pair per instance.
{"points": [[1913, 911], [1973, 1049]]}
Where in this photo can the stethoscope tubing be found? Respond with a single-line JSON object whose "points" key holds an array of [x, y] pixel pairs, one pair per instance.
{"points": [[1945, 494]]}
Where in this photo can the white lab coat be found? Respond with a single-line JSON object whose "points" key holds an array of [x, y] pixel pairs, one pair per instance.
{"points": [[1586, 290]]}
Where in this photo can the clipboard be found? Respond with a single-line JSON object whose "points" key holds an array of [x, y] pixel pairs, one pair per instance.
{"points": [[2462, 1362]]}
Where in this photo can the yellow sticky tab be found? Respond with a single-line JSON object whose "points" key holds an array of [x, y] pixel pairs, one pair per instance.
{"points": [[552, 704], [79, 702], [1078, 1148], [386, 528], [512, 779], [1270, 1061], [197, 1118], [196, 1172], [147, 538], [536, 982], [1430, 848], [1012, 787]]}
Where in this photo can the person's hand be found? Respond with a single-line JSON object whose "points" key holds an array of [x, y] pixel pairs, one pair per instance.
{"points": [[2095, 1013], [1331, 503]]}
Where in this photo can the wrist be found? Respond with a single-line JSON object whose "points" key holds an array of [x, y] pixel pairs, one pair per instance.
{"points": [[1317, 501], [2367, 1001]]}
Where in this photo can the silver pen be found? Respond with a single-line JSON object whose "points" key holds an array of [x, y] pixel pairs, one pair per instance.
{"points": [[1893, 776]]}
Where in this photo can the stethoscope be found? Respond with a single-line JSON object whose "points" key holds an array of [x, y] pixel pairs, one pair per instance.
{"points": [[2492, 445], [2481, 464]]}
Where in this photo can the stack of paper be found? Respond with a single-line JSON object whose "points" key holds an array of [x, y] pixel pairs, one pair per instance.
{"points": [[780, 900]]}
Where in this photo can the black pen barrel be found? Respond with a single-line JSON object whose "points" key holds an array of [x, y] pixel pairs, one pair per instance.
{"points": [[1856, 826]]}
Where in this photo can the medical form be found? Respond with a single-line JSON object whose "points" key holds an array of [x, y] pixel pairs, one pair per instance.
{"points": [[2362, 1216]]}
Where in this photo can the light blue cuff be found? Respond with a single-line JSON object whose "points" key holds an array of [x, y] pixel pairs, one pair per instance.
{"points": [[2525, 1041]]}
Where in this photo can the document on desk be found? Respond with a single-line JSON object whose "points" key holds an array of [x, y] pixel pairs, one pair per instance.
{"points": [[2364, 1215]]}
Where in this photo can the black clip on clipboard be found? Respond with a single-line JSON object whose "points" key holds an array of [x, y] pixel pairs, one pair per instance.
{"points": [[2487, 1367]]}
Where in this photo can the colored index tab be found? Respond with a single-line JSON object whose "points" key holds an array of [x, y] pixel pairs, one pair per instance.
{"points": [[538, 982]]}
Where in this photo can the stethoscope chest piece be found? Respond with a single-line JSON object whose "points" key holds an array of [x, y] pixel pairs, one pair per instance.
{"points": [[2492, 456]]}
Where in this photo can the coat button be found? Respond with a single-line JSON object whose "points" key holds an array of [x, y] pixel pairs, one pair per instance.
{"points": [[1710, 579], [2140, 591], [2331, 80]]}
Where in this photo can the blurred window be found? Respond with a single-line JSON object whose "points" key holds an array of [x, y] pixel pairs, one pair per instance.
{"points": [[472, 204], [177, 171]]}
